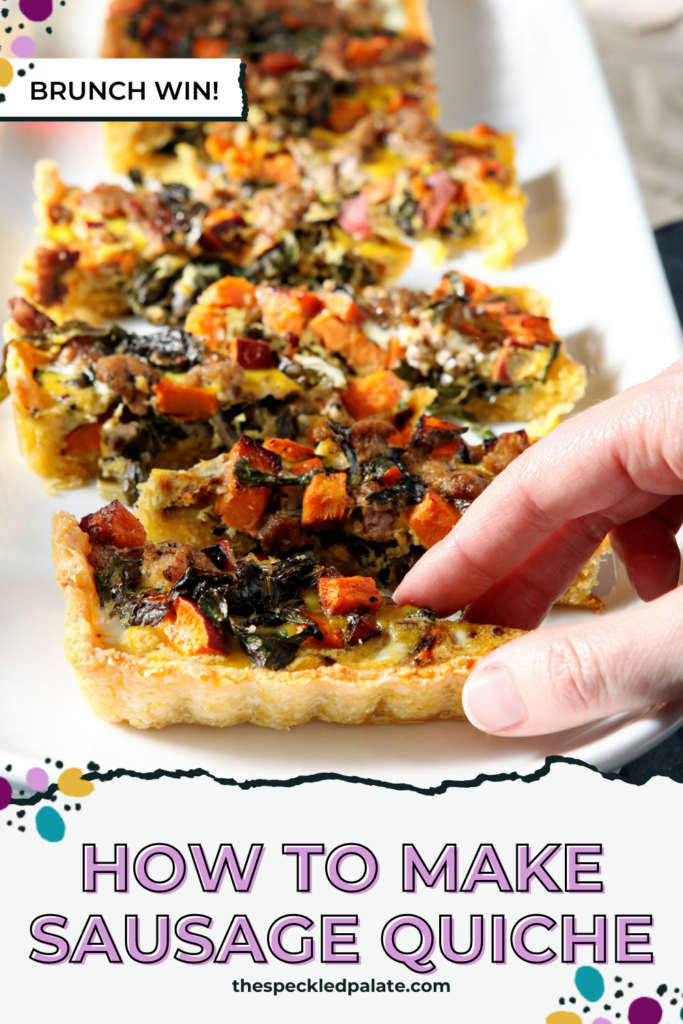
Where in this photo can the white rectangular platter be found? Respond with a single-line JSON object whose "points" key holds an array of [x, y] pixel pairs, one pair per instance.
{"points": [[524, 65]]}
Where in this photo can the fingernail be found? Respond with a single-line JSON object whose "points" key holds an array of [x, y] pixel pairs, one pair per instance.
{"points": [[492, 701]]}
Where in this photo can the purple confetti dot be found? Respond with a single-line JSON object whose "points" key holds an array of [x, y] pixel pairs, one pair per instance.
{"points": [[23, 46], [601, 1020], [38, 779], [5, 793], [36, 10], [645, 1011]]}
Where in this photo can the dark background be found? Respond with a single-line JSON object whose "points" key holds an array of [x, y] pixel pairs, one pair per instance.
{"points": [[668, 756]]}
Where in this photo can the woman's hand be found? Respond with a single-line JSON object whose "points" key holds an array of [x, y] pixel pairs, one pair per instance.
{"points": [[617, 470]]}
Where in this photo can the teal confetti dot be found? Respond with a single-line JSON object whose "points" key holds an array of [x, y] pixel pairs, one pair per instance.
{"points": [[50, 824], [590, 983]]}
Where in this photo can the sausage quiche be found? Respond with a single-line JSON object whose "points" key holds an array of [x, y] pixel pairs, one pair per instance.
{"points": [[111, 251], [270, 361], [365, 500], [165, 633]]}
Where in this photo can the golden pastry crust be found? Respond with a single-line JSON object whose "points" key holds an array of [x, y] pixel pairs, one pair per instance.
{"points": [[564, 386], [161, 687], [580, 594], [42, 425]]}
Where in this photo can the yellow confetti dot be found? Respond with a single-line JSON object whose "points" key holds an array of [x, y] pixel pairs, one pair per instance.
{"points": [[6, 72], [563, 1017], [71, 784]]}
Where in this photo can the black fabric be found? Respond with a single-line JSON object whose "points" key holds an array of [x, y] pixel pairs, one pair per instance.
{"points": [[668, 756]]}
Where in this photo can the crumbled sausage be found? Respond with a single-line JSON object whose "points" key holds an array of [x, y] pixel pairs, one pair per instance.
{"points": [[129, 377], [279, 208], [51, 266], [501, 452], [280, 532], [370, 436], [223, 374], [28, 317]]}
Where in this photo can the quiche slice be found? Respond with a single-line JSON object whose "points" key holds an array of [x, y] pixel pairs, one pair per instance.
{"points": [[110, 251], [392, 174], [487, 352], [366, 500], [166, 633], [108, 403], [308, 65], [341, 101]]}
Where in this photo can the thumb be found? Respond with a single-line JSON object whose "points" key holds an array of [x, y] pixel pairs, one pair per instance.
{"points": [[554, 679]]}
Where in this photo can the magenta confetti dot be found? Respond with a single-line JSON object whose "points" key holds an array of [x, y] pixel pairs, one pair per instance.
{"points": [[36, 10], [38, 778], [645, 1011], [23, 46], [5, 793]]}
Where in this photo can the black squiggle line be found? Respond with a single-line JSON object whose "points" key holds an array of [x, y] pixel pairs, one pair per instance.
{"points": [[245, 98], [302, 780]]}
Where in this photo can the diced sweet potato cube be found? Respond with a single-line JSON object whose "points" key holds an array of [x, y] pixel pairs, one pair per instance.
{"points": [[524, 327], [366, 52], [379, 191], [216, 146], [307, 466], [368, 396], [218, 225], [341, 595], [325, 501], [447, 451], [289, 451], [258, 455], [207, 323], [242, 506], [250, 353], [333, 332], [431, 432], [392, 476], [230, 291], [207, 46], [333, 632], [85, 438], [345, 113], [433, 519], [183, 402], [342, 305], [348, 340], [279, 62], [114, 525], [287, 309], [190, 631], [474, 290], [281, 169]]}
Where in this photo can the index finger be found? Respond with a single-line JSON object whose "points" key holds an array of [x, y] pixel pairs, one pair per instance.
{"points": [[606, 462]]}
